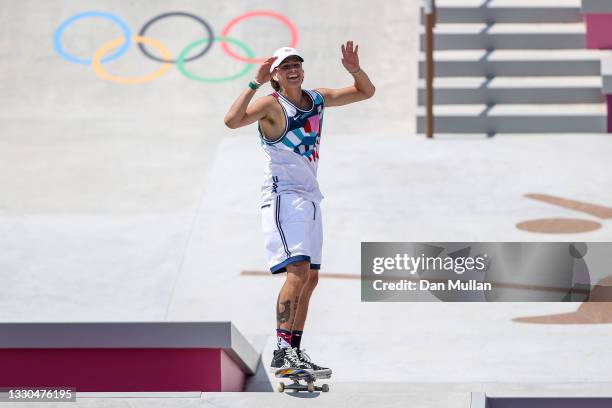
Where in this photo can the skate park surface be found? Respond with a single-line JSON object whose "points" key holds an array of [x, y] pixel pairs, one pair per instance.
{"points": [[135, 203]]}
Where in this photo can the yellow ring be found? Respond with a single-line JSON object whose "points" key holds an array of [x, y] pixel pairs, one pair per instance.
{"points": [[101, 72]]}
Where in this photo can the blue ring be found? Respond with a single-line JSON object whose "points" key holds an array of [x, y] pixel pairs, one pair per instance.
{"points": [[57, 37]]}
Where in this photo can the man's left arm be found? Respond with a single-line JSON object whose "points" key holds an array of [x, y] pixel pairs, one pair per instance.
{"points": [[361, 89]]}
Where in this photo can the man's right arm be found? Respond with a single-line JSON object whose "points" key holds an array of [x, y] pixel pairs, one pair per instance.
{"points": [[241, 113]]}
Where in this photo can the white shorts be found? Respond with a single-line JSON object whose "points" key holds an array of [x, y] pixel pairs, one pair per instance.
{"points": [[292, 232]]}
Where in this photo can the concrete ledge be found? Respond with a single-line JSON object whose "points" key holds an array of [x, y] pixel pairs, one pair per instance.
{"points": [[223, 335], [480, 400], [127, 356]]}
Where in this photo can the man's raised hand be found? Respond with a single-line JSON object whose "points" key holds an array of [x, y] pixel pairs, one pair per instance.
{"points": [[263, 74], [350, 58]]}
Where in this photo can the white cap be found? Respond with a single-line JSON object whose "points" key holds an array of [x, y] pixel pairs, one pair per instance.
{"points": [[283, 53]]}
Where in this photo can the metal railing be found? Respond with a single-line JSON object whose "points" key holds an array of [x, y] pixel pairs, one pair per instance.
{"points": [[429, 13]]}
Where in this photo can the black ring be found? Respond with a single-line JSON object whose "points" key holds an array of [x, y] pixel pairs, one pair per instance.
{"points": [[176, 13]]}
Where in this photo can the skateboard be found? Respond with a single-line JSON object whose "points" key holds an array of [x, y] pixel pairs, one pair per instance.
{"points": [[296, 376]]}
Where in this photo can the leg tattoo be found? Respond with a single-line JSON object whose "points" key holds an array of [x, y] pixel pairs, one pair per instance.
{"points": [[282, 316]]}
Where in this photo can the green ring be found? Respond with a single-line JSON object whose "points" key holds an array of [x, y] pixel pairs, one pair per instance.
{"points": [[181, 60]]}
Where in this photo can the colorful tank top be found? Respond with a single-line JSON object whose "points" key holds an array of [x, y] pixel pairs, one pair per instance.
{"points": [[291, 160]]}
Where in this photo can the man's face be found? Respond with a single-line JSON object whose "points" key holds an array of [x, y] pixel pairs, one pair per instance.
{"points": [[289, 73]]}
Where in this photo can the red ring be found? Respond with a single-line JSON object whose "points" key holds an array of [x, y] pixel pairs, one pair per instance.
{"points": [[233, 22]]}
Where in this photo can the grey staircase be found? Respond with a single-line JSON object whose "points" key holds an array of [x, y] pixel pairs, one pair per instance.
{"points": [[513, 66]]}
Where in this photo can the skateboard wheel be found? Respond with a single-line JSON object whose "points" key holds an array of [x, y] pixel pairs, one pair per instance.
{"points": [[311, 387], [325, 388], [281, 387]]}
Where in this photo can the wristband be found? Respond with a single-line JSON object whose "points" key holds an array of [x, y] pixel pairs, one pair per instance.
{"points": [[254, 85], [356, 72]]}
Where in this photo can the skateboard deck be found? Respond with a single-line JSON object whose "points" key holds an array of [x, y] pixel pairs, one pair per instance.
{"points": [[296, 376]]}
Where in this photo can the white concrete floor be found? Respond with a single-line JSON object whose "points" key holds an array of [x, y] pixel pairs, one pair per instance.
{"points": [[122, 203], [450, 395]]}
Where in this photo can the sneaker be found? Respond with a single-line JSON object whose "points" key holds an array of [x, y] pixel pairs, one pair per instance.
{"points": [[319, 372], [287, 359]]}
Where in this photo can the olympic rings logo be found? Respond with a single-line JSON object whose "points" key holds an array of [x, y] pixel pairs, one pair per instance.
{"points": [[105, 53]]}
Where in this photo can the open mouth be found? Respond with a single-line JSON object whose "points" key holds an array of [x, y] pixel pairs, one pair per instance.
{"points": [[295, 76]]}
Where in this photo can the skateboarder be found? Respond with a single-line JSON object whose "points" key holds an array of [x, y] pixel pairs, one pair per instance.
{"points": [[289, 125]]}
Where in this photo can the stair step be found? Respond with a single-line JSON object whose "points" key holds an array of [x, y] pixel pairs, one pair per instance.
{"points": [[508, 36], [508, 11], [526, 118], [514, 90], [479, 63]]}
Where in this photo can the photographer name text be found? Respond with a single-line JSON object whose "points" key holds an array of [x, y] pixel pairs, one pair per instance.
{"points": [[424, 284]]}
